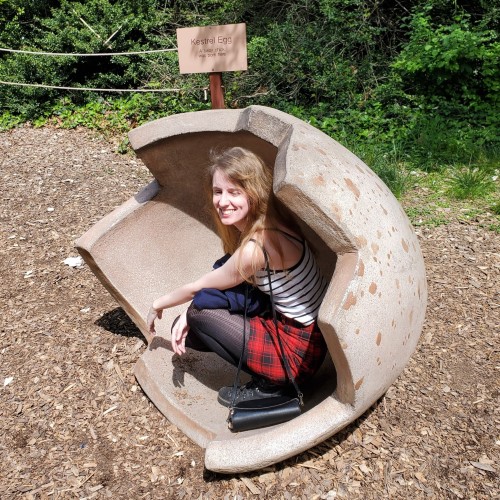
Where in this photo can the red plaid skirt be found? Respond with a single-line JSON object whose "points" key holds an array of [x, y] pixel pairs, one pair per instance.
{"points": [[304, 347]]}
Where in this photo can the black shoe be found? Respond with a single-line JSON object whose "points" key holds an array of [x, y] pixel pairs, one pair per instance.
{"points": [[255, 389]]}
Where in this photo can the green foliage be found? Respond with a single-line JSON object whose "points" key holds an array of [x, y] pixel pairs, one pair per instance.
{"points": [[8, 121], [19, 18], [471, 182], [436, 141], [457, 61], [118, 114], [94, 26], [309, 53]]}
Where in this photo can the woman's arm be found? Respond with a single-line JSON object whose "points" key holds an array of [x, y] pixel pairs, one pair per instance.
{"points": [[221, 278]]}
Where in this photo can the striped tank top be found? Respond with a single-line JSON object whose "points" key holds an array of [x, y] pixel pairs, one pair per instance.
{"points": [[298, 291]]}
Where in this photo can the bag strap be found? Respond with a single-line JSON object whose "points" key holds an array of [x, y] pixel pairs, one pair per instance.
{"points": [[283, 357]]}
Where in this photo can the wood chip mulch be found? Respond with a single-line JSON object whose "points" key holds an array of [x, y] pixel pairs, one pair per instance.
{"points": [[75, 424]]}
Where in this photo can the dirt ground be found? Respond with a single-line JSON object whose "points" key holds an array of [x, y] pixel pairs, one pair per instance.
{"points": [[75, 424]]}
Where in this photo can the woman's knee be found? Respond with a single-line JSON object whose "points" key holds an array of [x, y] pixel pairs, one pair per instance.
{"points": [[194, 316]]}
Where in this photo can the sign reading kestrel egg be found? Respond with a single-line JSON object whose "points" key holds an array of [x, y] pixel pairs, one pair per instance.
{"points": [[372, 314]]}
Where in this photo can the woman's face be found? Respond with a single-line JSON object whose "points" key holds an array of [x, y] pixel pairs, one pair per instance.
{"points": [[230, 201]]}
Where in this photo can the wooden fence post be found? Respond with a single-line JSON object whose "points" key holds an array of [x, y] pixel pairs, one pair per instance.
{"points": [[216, 92]]}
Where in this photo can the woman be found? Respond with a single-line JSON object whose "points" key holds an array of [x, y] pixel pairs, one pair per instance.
{"points": [[256, 236]]}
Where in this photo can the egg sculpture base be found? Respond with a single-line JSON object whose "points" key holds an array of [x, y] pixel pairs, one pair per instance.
{"points": [[373, 311]]}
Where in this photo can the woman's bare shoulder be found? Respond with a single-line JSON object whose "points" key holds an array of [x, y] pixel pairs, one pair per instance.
{"points": [[252, 253], [283, 246]]}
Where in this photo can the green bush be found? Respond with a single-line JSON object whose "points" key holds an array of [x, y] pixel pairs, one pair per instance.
{"points": [[457, 61], [94, 26]]}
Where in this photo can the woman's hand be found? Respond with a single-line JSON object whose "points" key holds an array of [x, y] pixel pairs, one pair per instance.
{"points": [[179, 334], [153, 315]]}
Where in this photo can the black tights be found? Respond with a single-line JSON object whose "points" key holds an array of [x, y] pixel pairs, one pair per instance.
{"points": [[219, 331]]}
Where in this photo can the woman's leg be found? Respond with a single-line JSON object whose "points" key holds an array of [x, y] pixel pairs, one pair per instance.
{"points": [[218, 331], [222, 333]]}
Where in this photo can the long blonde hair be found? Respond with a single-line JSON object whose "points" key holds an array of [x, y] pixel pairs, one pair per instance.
{"points": [[249, 172]]}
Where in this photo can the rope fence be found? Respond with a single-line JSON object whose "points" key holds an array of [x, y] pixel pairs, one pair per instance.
{"points": [[88, 89], [98, 54]]}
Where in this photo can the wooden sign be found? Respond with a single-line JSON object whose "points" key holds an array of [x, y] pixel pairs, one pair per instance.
{"points": [[212, 49]]}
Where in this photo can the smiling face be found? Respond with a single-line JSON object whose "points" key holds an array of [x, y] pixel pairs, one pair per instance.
{"points": [[230, 201]]}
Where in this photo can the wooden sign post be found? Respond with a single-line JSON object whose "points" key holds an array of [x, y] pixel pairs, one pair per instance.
{"points": [[213, 49], [216, 91]]}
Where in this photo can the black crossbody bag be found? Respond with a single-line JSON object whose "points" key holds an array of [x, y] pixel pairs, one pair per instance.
{"points": [[256, 413]]}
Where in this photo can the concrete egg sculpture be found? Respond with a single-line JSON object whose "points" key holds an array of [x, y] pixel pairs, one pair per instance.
{"points": [[372, 314]]}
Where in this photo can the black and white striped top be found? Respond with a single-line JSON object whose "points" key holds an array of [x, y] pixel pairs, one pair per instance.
{"points": [[298, 291]]}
